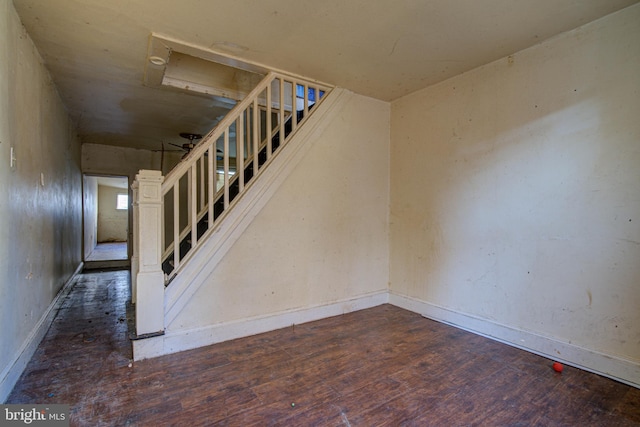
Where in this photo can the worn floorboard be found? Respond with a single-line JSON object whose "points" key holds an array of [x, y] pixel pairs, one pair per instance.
{"points": [[376, 367]]}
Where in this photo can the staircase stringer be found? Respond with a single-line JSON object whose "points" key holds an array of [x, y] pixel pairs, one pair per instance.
{"points": [[211, 250]]}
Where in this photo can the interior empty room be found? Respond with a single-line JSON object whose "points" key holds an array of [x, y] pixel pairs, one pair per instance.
{"points": [[321, 213]]}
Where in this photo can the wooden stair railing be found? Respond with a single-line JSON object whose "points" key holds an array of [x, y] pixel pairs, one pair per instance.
{"points": [[174, 214]]}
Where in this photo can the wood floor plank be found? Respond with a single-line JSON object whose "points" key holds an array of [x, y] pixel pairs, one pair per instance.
{"points": [[381, 366]]}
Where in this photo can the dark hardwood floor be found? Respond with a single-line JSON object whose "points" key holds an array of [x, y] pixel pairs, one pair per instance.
{"points": [[381, 366]]}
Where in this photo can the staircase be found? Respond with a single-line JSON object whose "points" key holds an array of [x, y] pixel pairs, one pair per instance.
{"points": [[186, 239], [174, 216]]}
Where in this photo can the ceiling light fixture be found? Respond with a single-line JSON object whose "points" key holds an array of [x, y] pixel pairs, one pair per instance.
{"points": [[157, 60]]}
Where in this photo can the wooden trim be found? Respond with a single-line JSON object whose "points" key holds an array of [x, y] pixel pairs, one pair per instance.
{"points": [[209, 254], [16, 366], [619, 369], [175, 341]]}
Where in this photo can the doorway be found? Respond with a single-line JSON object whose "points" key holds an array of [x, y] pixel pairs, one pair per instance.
{"points": [[106, 208]]}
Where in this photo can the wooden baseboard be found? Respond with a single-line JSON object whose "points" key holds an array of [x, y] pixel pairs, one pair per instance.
{"points": [[625, 371], [12, 373], [173, 342]]}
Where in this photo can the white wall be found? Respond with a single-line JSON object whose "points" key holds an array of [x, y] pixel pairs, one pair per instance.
{"points": [[121, 161], [90, 209], [516, 193], [40, 199], [322, 237], [112, 223]]}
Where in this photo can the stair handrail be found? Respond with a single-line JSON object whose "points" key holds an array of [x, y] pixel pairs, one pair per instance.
{"points": [[220, 192], [260, 100], [261, 116], [210, 138]]}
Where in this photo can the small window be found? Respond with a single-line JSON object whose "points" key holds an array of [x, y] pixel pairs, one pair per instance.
{"points": [[122, 203]]}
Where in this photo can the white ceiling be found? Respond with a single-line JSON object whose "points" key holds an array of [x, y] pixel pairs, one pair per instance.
{"points": [[96, 50], [112, 181]]}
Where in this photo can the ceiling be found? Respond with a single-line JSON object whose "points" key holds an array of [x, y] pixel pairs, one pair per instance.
{"points": [[110, 181], [97, 51]]}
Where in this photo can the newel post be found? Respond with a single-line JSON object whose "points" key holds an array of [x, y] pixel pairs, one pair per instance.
{"points": [[148, 285]]}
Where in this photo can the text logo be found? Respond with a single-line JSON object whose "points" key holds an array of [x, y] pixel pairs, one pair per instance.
{"points": [[34, 415]]}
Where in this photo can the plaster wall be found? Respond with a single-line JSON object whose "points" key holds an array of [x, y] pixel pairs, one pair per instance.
{"points": [[90, 209], [101, 159], [40, 197], [515, 191], [112, 223], [321, 238]]}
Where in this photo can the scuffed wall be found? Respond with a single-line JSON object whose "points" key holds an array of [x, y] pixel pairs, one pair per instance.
{"points": [[322, 237], [40, 197], [516, 190]]}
